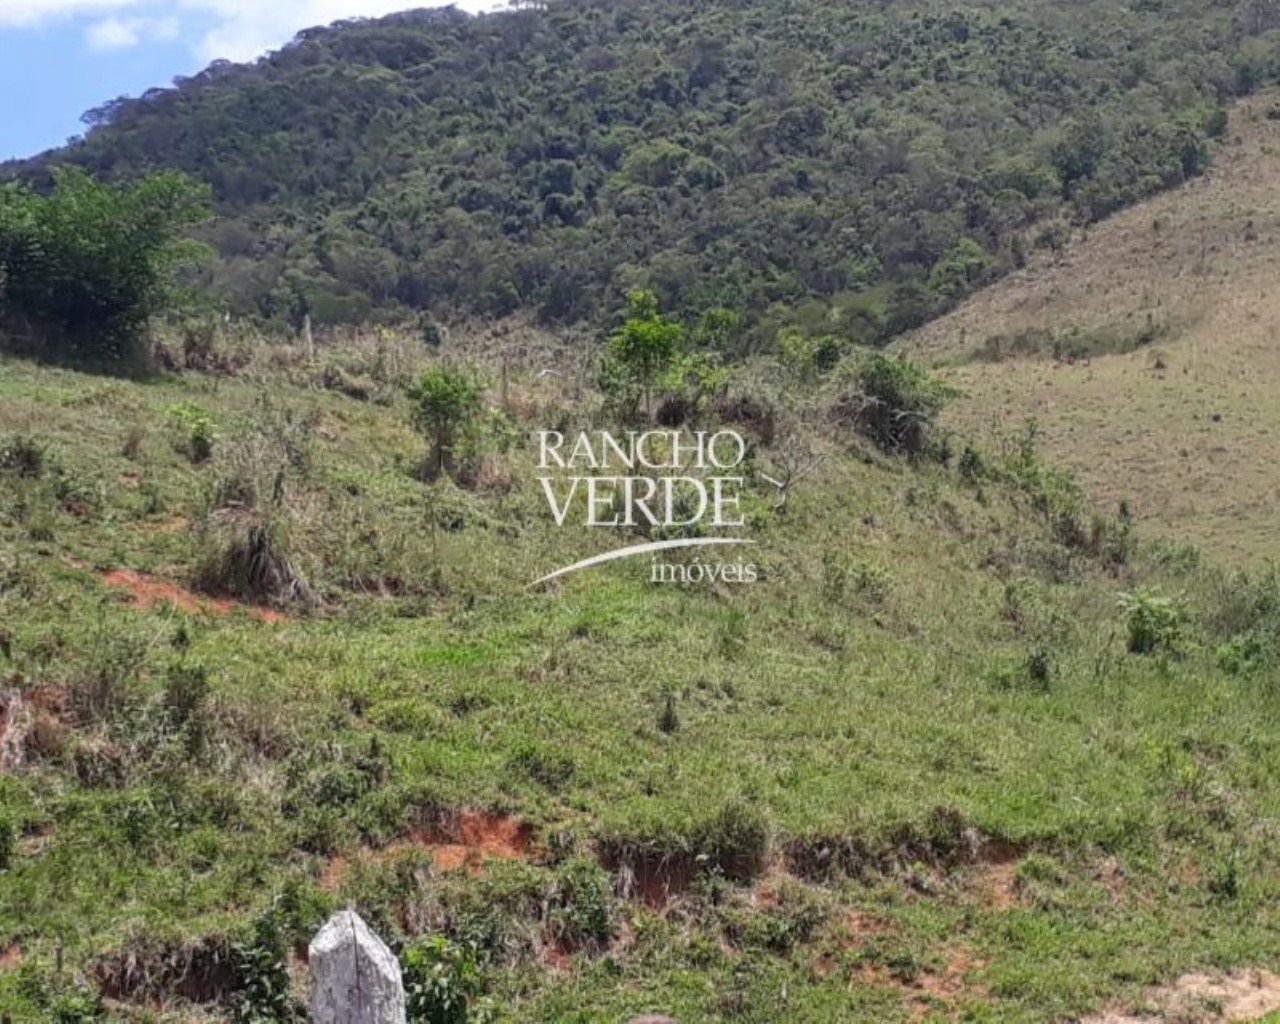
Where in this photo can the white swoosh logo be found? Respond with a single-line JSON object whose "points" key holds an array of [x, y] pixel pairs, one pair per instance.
{"points": [[640, 549]]}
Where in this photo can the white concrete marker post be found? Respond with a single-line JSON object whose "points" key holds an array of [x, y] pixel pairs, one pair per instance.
{"points": [[355, 977]]}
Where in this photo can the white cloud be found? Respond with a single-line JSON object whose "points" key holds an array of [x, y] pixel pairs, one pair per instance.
{"points": [[30, 13], [230, 29], [111, 34], [116, 33], [245, 29]]}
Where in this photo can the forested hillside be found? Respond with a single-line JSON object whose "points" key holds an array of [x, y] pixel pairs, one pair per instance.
{"points": [[860, 165]]}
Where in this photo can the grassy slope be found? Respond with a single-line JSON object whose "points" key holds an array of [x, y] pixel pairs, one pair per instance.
{"points": [[1026, 852], [1200, 262]]}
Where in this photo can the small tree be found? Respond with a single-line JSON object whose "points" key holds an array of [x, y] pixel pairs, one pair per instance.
{"points": [[87, 265], [642, 352], [446, 405]]}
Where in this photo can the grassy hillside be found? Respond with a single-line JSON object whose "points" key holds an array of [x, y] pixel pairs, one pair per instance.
{"points": [[853, 168], [915, 773], [1162, 391]]}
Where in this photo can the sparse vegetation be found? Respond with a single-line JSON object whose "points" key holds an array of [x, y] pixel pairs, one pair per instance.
{"points": [[971, 746], [340, 761]]}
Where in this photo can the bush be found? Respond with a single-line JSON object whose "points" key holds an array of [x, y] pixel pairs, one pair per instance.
{"points": [[253, 563], [195, 430], [88, 264], [581, 906], [734, 843], [446, 406], [22, 456], [8, 842], [640, 355], [443, 983], [895, 404], [1154, 622], [262, 979]]}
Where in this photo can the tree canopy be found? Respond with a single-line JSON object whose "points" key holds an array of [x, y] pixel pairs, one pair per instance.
{"points": [[83, 267], [860, 165]]}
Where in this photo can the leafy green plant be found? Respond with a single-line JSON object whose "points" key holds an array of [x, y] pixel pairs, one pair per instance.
{"points": [[894, 403], [88, 263], [195, 429], [443, 982], [22, 456], [640, 354], [446, 402], [581, 904], [8, 842], [1154, 622], [262, 978]]}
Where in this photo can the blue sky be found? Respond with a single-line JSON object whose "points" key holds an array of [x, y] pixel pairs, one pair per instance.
{"points": [[59, 58]]}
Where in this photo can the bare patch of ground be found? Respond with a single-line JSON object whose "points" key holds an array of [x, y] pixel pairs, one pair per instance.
{"points": [[473, 838], [1204, 998], [931, 991], [151, 590]]}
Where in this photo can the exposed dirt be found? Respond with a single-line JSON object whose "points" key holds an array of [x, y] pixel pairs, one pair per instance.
{"points": [[1203, 998], [200, 972], [10, 957], [174, 525], [12, 738], [930, 989], [151, 590], [655, 880], [465, 843], [999, 885]]}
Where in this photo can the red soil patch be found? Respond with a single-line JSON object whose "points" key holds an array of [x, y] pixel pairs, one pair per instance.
{"points": [[473, 838], [857, 925], [10, 957], [150, 590]]}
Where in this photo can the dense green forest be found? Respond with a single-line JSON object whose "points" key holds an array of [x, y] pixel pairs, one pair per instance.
{"points": [[850, 167]]}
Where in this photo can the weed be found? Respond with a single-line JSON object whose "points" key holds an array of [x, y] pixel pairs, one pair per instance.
{"points": [[252, 562], [668, 718], [581, 910], [195, 430], [443, 982], [22, 456], [1154, 622]]}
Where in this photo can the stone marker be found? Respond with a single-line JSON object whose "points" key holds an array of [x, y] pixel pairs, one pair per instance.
{"points": [[355, 977]]}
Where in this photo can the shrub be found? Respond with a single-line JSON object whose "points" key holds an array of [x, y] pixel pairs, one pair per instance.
{"points": [[1154, 622], [895, 404], [253, 563], [195, 430], [89, 263], [640, 354], [972, 466], [8, 842], [262, 979], [446, 405], [668, 718], [581, 906], [443, 982], [735, 841], [22, 456]]}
